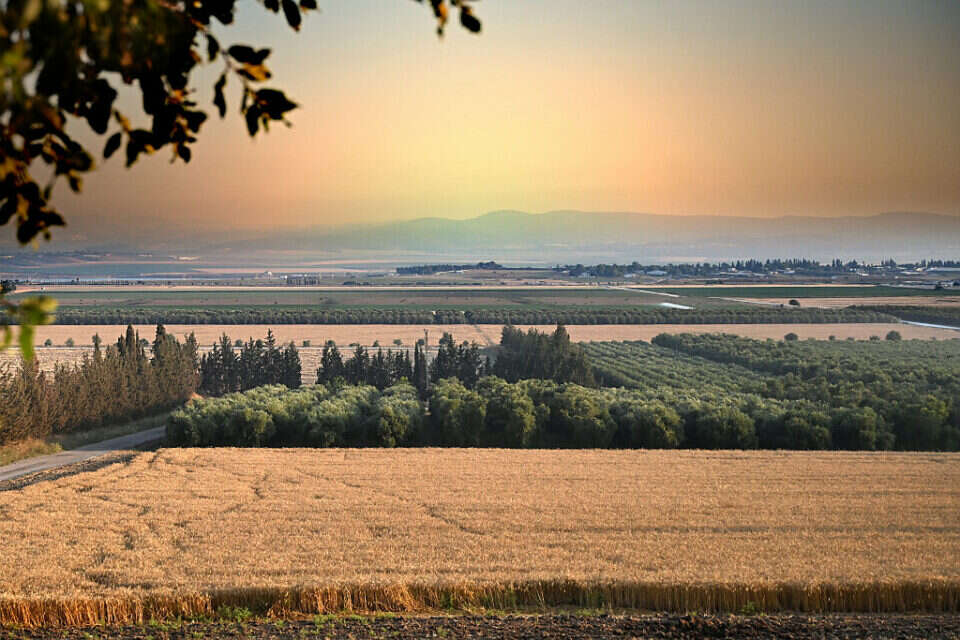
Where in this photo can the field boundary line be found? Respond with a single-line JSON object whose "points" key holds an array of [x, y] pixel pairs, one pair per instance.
{"points": [[868, 597]]}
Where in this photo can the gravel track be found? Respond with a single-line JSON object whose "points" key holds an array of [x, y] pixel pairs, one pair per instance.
{"points": [[511, 627]]}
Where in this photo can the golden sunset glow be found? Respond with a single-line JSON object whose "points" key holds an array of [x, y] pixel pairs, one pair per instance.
{"points": [[734, 108]]}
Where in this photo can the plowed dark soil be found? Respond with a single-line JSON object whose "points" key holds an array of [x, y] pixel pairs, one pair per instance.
{"points": [[513, 627]]}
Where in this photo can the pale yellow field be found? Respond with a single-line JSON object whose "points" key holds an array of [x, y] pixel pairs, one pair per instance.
{"points": [[186, 530], [366, 334]]}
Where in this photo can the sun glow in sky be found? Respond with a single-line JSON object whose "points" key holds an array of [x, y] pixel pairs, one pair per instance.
{"points": [[733, 107]]}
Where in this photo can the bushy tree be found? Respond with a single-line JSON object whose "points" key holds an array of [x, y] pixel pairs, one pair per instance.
{"points": [[457, 414]]}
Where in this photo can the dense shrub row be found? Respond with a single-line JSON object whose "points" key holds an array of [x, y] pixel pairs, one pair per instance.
{"points": [[948, 316], [506, 315], [530, 413], [317, 416], [120, 382]]}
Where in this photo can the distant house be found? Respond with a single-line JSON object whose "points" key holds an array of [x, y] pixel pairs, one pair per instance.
{"points": [[656, 272]]}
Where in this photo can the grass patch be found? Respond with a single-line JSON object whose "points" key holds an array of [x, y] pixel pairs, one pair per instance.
{"points": [[29, 448]]}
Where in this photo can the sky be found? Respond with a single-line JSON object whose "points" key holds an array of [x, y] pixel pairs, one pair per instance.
{"points": [[726, 107]]}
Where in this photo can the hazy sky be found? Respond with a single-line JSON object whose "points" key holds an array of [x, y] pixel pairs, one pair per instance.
{"points": [[732, 107]]}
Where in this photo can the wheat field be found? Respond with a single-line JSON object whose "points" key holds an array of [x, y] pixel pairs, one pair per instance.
{"points": [[184, 531]]}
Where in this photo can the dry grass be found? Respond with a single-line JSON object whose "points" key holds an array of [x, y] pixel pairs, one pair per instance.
{"points": [[27, 448], [33, 447], [185, 531]]}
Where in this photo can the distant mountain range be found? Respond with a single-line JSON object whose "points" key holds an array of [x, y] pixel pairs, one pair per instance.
{"points": [[516, 237], [561, 236]]}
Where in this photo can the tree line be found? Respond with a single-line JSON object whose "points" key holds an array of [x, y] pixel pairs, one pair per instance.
{"points": [[430, 269], [949, 316], [801, 266], [387, 369], [133, 378], [569, 315], [521, 355], [114, 383], [257, 363], [526, 414]]}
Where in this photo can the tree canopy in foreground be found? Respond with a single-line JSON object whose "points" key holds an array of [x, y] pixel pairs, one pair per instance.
{"points": [[61, 63]]}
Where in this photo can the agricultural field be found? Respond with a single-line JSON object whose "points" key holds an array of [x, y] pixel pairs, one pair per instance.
{"points": [[367, 334], [416, 298], [840, 303], [484, 335], [806, 291], [428, 305], [187, 531]]}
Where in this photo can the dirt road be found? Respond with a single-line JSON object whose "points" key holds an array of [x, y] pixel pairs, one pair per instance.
{"points": [[81, 454]]}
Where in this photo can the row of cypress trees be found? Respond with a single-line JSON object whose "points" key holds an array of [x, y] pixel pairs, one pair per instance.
{"points": [[258, 362], [113, 383]]}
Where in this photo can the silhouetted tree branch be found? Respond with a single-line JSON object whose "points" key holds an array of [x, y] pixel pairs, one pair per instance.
{"points": [[60, 61]]}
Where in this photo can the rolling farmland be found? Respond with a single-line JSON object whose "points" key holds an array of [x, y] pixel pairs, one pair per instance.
{"points": [[483, 335], [366, 334], [180, 532]]}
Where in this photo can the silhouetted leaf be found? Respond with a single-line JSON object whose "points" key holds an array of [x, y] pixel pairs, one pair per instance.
{"points": [[154, 93], [292, 12], [274, 103], [184, 152], [8, 208], [248, 55], [113, 143], [272, 5], [308, 4], [253, 119], [213, 48], [468, 20], [194, 119], [218, 100]]}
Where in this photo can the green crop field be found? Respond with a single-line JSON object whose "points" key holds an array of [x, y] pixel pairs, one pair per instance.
{"points": [[358, 297]]}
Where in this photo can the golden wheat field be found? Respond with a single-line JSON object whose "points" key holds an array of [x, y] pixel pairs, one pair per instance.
{"points": [[183, 531]]}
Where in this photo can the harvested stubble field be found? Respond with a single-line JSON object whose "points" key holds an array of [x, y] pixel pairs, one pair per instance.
{"points": [[185, 531]]}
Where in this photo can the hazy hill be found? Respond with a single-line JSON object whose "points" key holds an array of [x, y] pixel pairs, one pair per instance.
{"points": [[553, 235], [557, 237]]}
